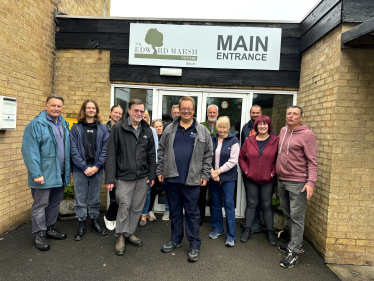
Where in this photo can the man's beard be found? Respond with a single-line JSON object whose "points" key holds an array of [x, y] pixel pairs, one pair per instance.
{"points": [[214, 120]]}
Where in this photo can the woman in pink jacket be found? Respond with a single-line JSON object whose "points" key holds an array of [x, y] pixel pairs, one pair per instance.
{"points": [[257, 161]]}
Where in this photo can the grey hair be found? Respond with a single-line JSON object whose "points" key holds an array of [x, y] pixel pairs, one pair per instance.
{"points": [[295, 106], [54, 96], [207, 109], [175, 106]]}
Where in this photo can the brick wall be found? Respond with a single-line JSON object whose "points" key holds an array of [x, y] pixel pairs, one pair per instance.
{"points": [[83, 74], [27, 56], [337, 93]]}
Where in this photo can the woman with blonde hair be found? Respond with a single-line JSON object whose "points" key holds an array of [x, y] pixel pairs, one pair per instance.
{"points": [[222, 183]]}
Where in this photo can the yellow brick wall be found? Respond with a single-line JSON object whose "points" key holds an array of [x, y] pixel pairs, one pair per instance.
{"points": [[27, 56], [83, 74], [337, 94]]}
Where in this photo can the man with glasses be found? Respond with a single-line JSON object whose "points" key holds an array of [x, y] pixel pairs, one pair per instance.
{"points": [[130, 164], [46, 152], [184, 162]]}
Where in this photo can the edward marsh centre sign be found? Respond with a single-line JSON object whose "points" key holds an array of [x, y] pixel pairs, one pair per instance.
{"points": [[205, 46]]}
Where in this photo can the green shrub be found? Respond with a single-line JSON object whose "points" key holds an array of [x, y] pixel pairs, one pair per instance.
{"points": [[69, 191], [276, 206]]}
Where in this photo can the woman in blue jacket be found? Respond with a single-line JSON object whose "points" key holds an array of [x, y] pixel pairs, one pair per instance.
{"points": [[88, 141], [224, 174]]}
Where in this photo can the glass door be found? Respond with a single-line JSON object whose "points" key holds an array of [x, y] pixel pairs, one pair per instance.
{"points": [[165, 102], [233, 106]]}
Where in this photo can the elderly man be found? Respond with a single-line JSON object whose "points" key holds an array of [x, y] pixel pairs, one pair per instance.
{"points": [[174, 112], [46, 152], [184, 162], [212, 113], [297, 173], [131, 164]]}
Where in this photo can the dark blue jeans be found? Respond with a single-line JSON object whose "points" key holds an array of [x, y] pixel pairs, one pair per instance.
{"points": [[87, 189], [181, 196], [227, 189]]}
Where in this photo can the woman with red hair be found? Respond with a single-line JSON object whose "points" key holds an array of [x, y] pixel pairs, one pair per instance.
{"points": [[257, 161]]}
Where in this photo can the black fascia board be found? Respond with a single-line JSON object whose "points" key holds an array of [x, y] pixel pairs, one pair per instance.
{"points": [[362, 29]]}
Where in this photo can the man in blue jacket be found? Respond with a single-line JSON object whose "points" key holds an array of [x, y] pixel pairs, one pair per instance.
{"points": [[46, 151]]}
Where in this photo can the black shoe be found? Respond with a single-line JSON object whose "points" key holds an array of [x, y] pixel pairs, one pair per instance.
{"points": [[41, 241], [245, 236], [135, 241], [54, 233], [81, 231], [259, 230], [193, 255], [170, 246], [284, 248], [271, 238], [289, 260], [95, 227]]}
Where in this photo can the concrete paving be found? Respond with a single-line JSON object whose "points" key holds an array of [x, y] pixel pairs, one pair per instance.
{"points": [[353, 272], [93, 258]]}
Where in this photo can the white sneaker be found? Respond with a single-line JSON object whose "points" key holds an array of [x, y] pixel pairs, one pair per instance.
{"points": [[166, 216], [151, 216], [110, 225]]}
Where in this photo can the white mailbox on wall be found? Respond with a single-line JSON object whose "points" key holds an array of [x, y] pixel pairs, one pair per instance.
{"points": [[8, 113]]}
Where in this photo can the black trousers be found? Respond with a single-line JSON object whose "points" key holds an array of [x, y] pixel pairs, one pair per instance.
{"points": [[202, 201], [111, 214]]}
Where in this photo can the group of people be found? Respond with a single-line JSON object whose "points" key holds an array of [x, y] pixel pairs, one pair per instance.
{"points": [[182, 158]]}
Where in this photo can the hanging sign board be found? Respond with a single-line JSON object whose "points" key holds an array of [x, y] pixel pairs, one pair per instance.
{"points": [[205, 46]]}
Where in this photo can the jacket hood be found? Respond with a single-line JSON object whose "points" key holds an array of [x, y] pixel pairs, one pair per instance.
{"points": [[229, 136], [294, 133], [93, 124], [42, 118]]}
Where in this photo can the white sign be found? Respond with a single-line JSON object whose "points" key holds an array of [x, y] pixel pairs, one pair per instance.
{"points": [[205, 46]]}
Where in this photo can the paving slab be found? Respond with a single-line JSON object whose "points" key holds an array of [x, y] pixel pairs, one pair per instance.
{"points": [[93, 258], [353, 272]]}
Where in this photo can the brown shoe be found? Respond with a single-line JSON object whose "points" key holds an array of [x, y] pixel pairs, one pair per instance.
{"points": [[120, 248], [135, 241]]}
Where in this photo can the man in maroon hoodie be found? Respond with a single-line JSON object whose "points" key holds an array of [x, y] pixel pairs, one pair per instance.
{"points": [[297, 173]]}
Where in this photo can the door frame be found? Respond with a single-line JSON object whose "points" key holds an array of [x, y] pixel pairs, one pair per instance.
{"points": [[202, 93]]}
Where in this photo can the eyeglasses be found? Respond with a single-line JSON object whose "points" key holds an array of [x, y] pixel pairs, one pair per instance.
{"points": [[186, 109], [139, 111]]}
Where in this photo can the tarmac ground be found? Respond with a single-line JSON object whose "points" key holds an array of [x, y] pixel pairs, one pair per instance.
{"points": [[93, 257]]}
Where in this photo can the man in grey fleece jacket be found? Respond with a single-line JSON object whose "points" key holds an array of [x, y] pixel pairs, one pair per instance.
{"points": [[184, 162]]}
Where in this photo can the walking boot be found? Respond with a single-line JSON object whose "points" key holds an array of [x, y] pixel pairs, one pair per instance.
{"points": [[271, 238], [41, 241], [54, 233], [120, 247], [245, 235], [81, 231], [95, 227]]}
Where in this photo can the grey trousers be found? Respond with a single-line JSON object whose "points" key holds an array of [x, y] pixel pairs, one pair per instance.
{"points": [[45, 207], [293, 203], [130, 197], [87, 189]]}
